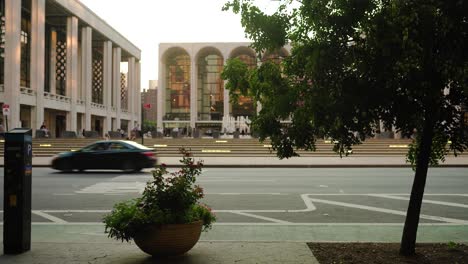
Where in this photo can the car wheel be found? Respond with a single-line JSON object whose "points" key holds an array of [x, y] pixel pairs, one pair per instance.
{"points": [[128, 167]]}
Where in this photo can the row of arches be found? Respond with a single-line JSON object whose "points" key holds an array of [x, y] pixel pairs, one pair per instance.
{"points": [[210, 101]]}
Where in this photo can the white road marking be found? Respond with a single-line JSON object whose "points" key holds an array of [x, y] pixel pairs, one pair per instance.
{"points": [[389, 211], [263, 218], [64, 194], [111, 187], [247, 193], [424, 200], [323, 186], [234, 180], [49, 217]]}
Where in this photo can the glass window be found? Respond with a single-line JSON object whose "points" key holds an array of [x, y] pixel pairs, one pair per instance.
{"points": [[245, 105], [178, 86], [210, 88], [96, 147], [117, 146]]}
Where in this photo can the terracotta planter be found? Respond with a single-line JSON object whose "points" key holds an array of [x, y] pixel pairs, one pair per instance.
{"points": [[169, 240]]}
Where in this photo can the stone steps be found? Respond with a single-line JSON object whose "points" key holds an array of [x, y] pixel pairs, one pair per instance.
{"points": [[226, 147]]}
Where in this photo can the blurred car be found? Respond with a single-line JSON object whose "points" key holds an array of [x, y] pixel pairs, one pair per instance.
{"points": [[123, 155]]}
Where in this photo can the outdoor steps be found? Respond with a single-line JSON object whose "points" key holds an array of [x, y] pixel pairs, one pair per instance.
{"points": [[226, 147]]}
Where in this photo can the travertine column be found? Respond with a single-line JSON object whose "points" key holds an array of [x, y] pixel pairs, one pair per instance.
{"points": [[226, 96], [72, 70], [193, 92], [131, 91], [117, 57], [107, 84], [12, 60], [37, 58], [53, 62], [86, 72], [138, 93]]}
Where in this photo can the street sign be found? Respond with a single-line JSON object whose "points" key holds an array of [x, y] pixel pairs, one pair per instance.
{"points": [[147, 106], [6, 109]]}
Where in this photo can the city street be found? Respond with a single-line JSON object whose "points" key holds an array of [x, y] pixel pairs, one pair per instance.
{"points": [[262, 196]]}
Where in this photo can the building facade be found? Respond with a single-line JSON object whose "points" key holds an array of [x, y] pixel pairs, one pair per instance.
{"points": [[63, 66], [149, 97], [191, 93]]}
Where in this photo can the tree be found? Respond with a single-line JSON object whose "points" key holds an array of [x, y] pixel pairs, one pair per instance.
{"points": [[353, 65]]}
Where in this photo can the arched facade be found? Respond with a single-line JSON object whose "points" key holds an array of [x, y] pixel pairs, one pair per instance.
{"points": [[208, 100]]}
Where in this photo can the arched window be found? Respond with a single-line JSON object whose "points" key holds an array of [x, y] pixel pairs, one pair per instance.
{"points": [[178, 86], [245, 105], [210, 87]]}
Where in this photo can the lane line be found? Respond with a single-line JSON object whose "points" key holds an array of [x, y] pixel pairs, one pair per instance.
{"points": [[246, 193], [424, 200], [407, 194], [389, 211], [49, 217], [278, 221]]}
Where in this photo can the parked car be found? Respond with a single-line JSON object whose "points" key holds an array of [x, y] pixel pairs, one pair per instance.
{"points": [[123, 155]]}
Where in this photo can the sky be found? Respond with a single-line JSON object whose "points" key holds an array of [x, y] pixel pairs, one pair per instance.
{"points": [[146, 23]]}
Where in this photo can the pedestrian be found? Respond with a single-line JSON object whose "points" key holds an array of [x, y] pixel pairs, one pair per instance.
{"points": [[44, 129]]}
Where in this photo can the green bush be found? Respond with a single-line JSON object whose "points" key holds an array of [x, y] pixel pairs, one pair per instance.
{"points": [[169, 198]]}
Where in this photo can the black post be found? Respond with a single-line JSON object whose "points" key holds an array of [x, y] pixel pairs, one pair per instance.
{"points": [[17, 191]]}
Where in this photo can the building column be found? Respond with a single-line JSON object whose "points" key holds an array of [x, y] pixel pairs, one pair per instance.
{"points": [[38, 59], [86, 73], [12, 60], [138, 93], [117, 57], [131, 91], [226, 98], [193, 92], [161, 88], [53, 62], [72, 70], [107, 84]]}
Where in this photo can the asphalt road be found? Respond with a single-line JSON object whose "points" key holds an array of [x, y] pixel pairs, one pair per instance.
{"points": [[265, 196]]}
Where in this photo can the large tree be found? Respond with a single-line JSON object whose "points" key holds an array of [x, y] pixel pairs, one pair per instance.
{"points": [[356, 64]]}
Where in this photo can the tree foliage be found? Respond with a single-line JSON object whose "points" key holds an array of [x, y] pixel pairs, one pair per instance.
{"points": [[355, 64]]}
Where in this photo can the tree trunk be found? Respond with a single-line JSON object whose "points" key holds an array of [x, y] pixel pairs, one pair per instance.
{"points": [[408, 240]]}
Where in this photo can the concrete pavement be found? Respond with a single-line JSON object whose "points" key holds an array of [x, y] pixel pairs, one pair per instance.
{"points": [[356, 161], [83, 243]]}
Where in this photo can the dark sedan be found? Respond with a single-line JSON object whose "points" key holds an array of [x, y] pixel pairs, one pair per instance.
{"points": [[108, 155]]}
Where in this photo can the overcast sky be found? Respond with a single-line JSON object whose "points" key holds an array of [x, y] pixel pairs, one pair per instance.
{"points": [[146, 23]]}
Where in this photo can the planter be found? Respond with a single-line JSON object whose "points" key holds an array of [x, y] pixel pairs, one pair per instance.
{"points": [[169, 240]]}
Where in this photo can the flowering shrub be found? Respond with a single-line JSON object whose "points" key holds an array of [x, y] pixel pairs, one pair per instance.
{"points": [[169, 198]]}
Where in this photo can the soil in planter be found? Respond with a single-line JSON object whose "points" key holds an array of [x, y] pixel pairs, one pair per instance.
{"points": [[387, 253]]}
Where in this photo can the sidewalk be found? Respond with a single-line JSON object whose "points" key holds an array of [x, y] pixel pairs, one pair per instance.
{"points": [[202, 253], [306, 162], [245, 244]]}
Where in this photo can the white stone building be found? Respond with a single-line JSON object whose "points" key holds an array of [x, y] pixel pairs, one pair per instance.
{"points": [[61, 65], [191, 93]]}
